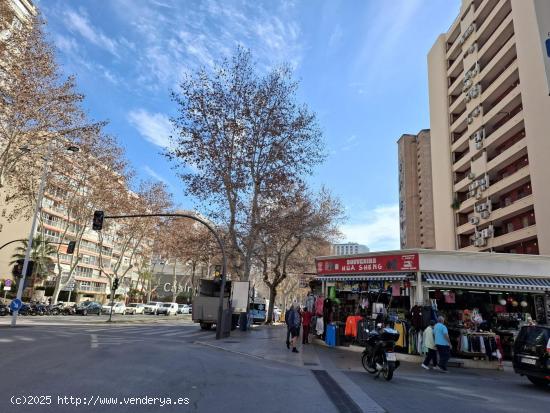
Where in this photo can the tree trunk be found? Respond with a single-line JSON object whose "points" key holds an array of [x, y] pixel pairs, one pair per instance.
{"points": [[272, 296], [174, 282]]}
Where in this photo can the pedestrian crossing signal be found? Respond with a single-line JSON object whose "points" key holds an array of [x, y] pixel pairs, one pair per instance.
{"points": [[97, 224]]}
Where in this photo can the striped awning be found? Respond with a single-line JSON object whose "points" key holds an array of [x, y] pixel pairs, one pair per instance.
{"points": [[395, 276], [502, 282]]}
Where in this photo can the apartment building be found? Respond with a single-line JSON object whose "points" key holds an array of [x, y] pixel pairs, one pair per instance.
{"points": [[489, 118], [348, 248], [416, 221]]}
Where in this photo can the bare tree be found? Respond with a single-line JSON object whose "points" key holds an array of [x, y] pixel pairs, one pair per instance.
{"points": [[246, 138], [293, 228], [37, 105]]}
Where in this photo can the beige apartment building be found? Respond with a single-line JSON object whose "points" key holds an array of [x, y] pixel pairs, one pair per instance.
{"points": [[416, 219], [490, 125]]}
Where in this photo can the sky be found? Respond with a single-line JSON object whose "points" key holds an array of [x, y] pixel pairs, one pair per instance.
{"points": [[361, 66]]}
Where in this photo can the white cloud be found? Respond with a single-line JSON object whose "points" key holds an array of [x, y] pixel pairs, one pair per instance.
{"points": [[155, 127], [155, 174], [377, 228], [80, 24]]}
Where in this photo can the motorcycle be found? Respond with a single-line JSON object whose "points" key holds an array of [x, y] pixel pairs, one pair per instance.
{"points": [[379, 356], [27, 309], [56, 309], [4, 310]]}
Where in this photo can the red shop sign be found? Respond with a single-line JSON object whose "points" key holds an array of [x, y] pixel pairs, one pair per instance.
{"points": [[372, 263]]}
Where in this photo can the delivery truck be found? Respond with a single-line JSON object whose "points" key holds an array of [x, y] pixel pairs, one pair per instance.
{"points": [[206, 303]]}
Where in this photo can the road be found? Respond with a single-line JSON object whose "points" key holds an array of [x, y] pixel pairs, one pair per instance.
{"points": [[161, 357]]}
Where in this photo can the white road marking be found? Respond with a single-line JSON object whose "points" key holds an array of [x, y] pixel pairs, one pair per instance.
{"points": [[94, 343], [6, 340]]}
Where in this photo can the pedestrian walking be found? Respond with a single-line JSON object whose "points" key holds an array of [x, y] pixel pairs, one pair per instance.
{"points": [[443, 344], [294, 321], [306, 323], [287, 318], [429, 342]]}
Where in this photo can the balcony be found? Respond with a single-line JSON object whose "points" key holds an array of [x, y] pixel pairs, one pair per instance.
{"points": [[461, 185], [519, 206], [455, 88], [90, 289], [513, 237], [493, 25], [509, 101], [511, 154], [502, 85], [501, 132], [503, 58], [517, 178], [458, 105], [460, 123], [461, 162]]}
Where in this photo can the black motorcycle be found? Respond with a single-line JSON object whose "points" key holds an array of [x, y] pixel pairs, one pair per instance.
{"points": [[56, 309], [4, 310], [27, 309], [379, 356]]}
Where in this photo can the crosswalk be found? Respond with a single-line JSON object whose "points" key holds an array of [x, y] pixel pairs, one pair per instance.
{"points": [[110, 335]]}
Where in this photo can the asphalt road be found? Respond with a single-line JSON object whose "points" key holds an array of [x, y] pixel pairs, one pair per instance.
{"points": [[168, 359], [98, 363]]}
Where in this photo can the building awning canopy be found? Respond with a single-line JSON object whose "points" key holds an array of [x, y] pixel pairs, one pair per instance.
{"points": [[488, 281], [365, 277]]}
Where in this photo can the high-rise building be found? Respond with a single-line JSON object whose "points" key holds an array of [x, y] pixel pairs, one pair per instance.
{"points": [[348, 248], [416, 221], [489, 120]]}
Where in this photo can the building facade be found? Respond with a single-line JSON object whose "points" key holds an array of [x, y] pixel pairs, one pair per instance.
{"points": [[348, 248], [416, 222], [489, 120]]}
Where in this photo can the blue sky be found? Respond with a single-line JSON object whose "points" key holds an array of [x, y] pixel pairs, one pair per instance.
{"points": [[362, 67]]}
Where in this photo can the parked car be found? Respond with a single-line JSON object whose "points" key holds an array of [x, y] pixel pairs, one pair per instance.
{"points": [[88, 307], [152, 307], [183, 309], [118, 308], [190, 308], [135, 308], [532, 354], [168, 309]]}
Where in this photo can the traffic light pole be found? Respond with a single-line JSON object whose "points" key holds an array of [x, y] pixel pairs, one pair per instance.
{"points": [[220, 243], [33, 229]]}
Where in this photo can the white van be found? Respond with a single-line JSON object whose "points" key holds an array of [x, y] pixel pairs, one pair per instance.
{"points": [[168, 309]]}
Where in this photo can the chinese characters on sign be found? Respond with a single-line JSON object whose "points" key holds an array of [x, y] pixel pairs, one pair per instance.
{"points": [[358, 265]]}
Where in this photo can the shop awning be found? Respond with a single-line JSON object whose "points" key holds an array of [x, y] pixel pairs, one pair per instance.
{"points": [[366, 277], [487, 281]]}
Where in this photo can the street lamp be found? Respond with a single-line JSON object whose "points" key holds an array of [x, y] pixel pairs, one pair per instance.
{"points": [[70, 148]]}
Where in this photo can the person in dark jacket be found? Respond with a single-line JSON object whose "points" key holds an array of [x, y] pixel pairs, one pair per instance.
{"points": [[287, 316], [294, 322]]}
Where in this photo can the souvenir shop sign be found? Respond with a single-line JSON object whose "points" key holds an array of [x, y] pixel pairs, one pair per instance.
{"points": [[359, 265]]}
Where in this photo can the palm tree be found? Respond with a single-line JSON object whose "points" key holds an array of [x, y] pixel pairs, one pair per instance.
{"points": [[41, 254]]}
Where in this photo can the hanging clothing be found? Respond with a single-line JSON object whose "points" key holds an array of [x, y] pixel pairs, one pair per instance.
{"points": [[319, 306], [319, 326], [400, 327], [351, 325], [310, 303], [396, 289], [416, 314]]}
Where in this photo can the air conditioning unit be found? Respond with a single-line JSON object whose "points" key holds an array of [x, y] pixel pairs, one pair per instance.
{"points": [[470, 119], [471, 175], [478, 195], [479, 135], [479, 207], [474, 113], [473, 185], [467, 98], [480, 242], [472, 48], [479, 145], [474, 220], [487, 232], [485, 214], [481, 181], [483, 187]]}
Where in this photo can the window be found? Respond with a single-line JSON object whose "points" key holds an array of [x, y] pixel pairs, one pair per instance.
{"points": [[509, 227]]}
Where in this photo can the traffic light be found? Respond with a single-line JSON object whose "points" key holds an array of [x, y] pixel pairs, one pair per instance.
{"points": [[71, 247], [17, 270], [115, 284], [217, 271], [98, 220]]}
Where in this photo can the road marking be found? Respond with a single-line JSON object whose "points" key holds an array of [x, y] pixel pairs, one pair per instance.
{"points": [[24, 338], [94, 343], [5, 340]]}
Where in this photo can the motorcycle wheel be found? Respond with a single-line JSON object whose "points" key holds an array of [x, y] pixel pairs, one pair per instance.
{"points": [[366, 364], [387, 372], [85, 312]]}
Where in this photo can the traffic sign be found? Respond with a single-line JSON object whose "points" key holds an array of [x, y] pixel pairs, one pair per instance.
{"points": [[6, 288], [7, 283], [16, 304]]}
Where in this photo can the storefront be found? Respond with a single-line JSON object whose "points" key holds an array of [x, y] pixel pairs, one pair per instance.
{"points": [[485, 297]]}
